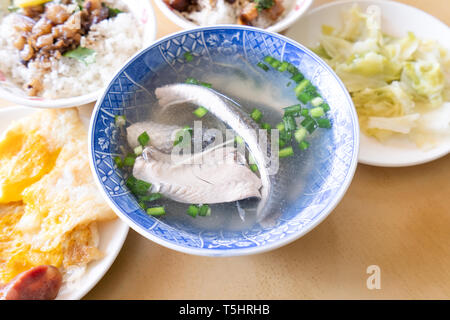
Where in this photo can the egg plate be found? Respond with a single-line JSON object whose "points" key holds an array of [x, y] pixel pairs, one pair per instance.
{"points": [[112, 234]]}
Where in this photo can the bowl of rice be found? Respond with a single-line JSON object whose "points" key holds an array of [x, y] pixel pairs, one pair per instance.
{"points": [[63, 53], [271, 15]]}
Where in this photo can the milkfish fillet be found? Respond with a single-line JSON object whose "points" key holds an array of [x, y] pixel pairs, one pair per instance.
{"points": [[232, 115], [216, 179], [161, 136]]}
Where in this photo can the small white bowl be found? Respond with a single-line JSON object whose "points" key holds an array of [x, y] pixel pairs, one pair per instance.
{"points": [[299, 8], [142, 10], [396, 19]]}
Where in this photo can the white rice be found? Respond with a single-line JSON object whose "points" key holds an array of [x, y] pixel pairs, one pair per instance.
{"points": [[221, 12], [114, 41]]}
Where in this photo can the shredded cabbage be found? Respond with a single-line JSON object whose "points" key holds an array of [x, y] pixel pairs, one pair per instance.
{"points": [[394, 82]]}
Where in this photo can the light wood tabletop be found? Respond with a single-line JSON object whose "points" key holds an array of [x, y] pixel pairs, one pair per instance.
{"points": [[395, 218]]}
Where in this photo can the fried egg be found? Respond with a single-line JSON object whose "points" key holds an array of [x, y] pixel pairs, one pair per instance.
{"points": [[49, 203]]}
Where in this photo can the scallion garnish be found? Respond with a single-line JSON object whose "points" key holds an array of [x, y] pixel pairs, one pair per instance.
{"points": [[317, 112], [254, 167], [283, 67], [188, 56], [204, 211], [303, 145], [301, 86], [138, 150], [307, 94], [324, 123], [289, 123], [266, 126], [200, 112], [298, 77], [304, 112], [256, 115], [300, 134], [137, 187], [269, 59], [143, 139], [118, 161], [129, 160], [192, 210], [239, 140], [292, 110], [191, 80], [151, 197], [325, 107], [263, 66], [156, 211], [292, 69], [317, 101], [309, 124], [142, 205], [286, 152]]}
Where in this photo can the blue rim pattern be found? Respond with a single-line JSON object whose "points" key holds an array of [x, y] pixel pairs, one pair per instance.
{"points": [[126, 95]]}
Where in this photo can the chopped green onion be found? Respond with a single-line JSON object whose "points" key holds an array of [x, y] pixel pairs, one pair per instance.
{"points": [[303, 145], [191, 80], [307, 94], [205, 84], [138, 150], [266, 126], [280, 126], [263, 66], [239, 140], [286, 152], [151, 197], [204, 211], [112, 12], [283, 67], [325, 107], [292, 69], [256, 115], [143, 139], [156, 211], [304, 112], [129, 160], [300, 134], [317, 112], [298, 77], [289, 123], [309, 124], [118, 161], [200, 112], [292, 110], [324, 123], [301, 86], [281, 143], [269, 59], [193, 210], [120, 121], [137, 187], [142, 205], [288, 84], [254, 167], [188, 56], [316, 101]]}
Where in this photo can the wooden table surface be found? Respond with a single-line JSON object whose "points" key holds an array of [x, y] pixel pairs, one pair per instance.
{"points": [[395, 218]]}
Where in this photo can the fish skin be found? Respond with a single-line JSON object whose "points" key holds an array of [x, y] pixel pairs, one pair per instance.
{"points": [[217, 179], [273, 186]]}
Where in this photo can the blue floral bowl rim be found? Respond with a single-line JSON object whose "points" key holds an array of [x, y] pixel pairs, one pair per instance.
{"points": [[228, 252]]}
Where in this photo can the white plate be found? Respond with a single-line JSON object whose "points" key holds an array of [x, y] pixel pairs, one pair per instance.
{"points": [[397, 19], [298, 9], [112, 233], [144, 14]]}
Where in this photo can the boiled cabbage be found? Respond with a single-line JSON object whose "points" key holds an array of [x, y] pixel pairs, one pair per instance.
{"points": [[393, 81]]}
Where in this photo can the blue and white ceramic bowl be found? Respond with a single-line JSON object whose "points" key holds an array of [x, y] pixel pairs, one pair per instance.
{"points": [[329, 164]]}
